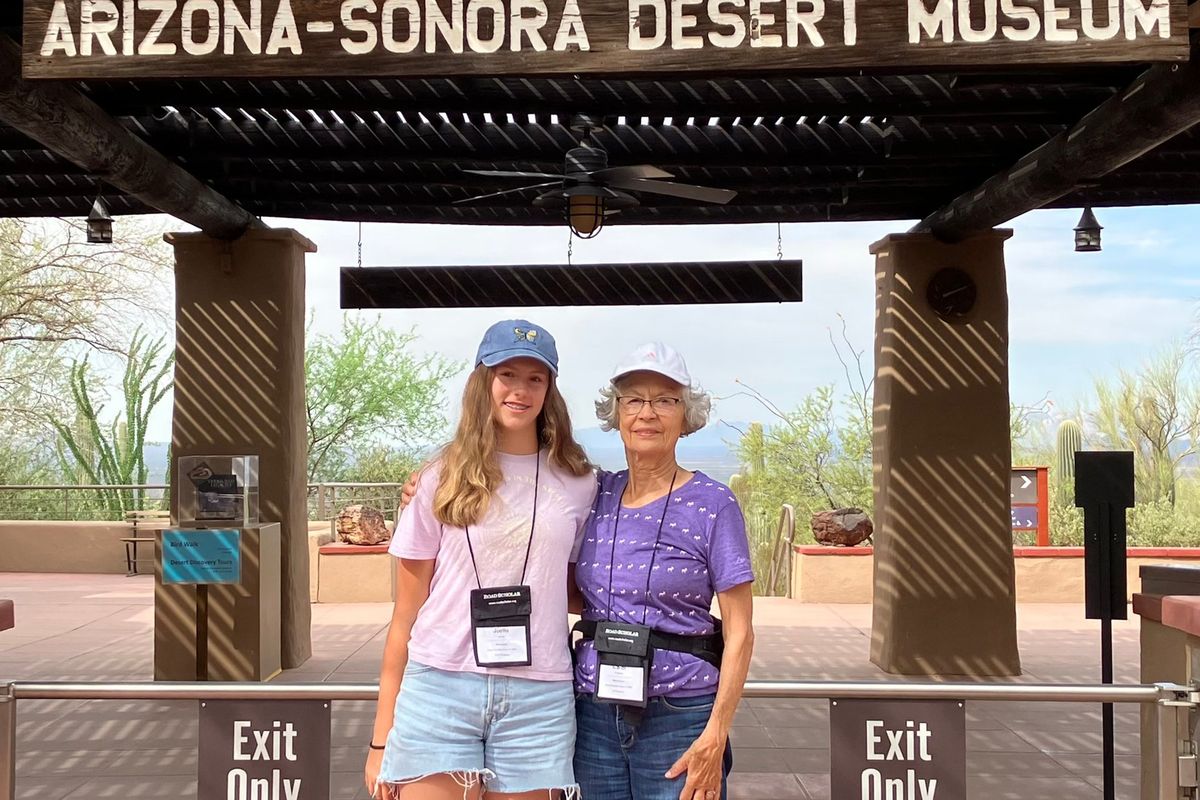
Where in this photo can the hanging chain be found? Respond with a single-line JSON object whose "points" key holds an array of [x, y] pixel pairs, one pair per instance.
{"points": [[360, 245], [779, 241], [570, 245]]}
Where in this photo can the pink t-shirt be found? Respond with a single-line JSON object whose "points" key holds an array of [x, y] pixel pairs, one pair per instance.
{"points": [[441, 635]]}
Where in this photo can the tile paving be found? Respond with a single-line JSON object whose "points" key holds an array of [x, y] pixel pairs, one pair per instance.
{"points": [[98, 628]]}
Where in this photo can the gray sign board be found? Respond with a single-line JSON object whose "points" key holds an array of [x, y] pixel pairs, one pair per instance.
{"points": [[263, 750], [898, 750], [1023, 486]]}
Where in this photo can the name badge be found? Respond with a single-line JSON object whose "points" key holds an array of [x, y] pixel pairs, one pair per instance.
{"points": [[500, 628], [623, 661]]}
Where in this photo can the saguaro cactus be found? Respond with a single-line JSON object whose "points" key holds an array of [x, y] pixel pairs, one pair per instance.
{"points": [[1069, 442]]}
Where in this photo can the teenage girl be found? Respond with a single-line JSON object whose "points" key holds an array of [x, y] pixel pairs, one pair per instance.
{"points": [[475, 691]]}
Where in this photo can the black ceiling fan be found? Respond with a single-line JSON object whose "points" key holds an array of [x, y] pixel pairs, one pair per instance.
{"points": [[590, 190]]}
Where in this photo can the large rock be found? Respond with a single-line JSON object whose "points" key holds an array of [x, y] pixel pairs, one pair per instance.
{"points": [[362, 525], [845, 527]]}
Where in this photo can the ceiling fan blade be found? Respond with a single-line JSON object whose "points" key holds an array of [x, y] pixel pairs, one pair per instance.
{"points": [[687, 191], [494, 173], [611, 175], [506, 191]]}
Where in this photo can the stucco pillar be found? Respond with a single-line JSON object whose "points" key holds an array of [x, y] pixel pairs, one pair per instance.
{"points": [[239, 386], [943, 573]]}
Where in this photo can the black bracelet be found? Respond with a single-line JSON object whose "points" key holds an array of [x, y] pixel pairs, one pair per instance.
{"points": [[374, 746]]}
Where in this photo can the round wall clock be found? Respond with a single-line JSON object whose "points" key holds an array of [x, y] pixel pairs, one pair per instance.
{"points": [[951, 294]]}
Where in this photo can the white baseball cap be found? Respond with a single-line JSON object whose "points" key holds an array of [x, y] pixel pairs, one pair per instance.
{"points": [[655, 357]]}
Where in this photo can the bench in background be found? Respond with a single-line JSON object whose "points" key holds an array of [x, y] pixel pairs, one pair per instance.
{"points": [[142, 522]]}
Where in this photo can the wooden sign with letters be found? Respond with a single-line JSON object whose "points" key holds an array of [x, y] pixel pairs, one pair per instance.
{"points": [[356, 38]]}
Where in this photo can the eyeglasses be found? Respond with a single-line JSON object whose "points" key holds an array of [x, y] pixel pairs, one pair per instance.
{"points": [[660, 405]]}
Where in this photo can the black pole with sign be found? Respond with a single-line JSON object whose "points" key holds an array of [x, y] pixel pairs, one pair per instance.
{"points": [[1104, 490]]}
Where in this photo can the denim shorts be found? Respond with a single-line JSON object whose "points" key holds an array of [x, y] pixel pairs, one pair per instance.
{"points": [[618, 759], [511, 734]]}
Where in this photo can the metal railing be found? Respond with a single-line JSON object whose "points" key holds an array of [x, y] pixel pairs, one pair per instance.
{"points": [[1171, 748], [85, 502]]}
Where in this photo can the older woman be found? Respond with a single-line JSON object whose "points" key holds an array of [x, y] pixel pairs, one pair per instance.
{"points": [[658, 678]]}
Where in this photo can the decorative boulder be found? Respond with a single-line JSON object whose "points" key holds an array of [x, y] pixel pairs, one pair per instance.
{"points": [[842, 527], [360, 524]]}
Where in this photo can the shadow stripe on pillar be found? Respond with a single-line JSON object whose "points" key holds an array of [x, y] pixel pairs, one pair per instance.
{"points": [[669, 283]]}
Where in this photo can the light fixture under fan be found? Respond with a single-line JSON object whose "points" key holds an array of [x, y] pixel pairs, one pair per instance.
{"points": [[588, 190]]}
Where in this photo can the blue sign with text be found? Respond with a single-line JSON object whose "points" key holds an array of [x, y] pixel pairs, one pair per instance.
{"points": [[1024, 517], [201, 557]]}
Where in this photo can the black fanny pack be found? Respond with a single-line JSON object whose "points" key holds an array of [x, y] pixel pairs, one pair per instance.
{"points": [[708, 648]]}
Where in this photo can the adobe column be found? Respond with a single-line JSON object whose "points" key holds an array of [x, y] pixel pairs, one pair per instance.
{"points": [[944, 600], [239, 385]]}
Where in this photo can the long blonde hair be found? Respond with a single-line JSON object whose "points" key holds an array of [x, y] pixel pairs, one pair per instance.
{"points": [[470, 468]]}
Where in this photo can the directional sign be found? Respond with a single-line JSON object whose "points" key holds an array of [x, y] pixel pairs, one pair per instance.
{"points": [[1024, 518], [1023, 486]]}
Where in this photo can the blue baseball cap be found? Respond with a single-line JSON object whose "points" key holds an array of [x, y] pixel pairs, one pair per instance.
{"points": [[517, 338]]}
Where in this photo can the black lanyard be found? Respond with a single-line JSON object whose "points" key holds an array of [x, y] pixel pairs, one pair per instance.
{"points": [[537, 472], [653, 554]]}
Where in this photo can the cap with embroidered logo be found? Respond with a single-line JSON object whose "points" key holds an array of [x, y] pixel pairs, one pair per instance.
{"points": [[655, 357], [517, 338]]}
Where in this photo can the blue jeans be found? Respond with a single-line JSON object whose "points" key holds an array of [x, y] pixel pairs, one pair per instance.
{"points": [[616, 760]]}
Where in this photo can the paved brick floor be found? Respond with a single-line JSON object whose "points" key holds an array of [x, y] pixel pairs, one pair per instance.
{"points": [[96, 628]]}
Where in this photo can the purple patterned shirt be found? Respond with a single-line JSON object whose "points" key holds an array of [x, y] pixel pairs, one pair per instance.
{"points": [[703, 550]]}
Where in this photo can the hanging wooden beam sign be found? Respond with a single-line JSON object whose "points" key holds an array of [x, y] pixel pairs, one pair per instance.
{"points": [[285, 38]]}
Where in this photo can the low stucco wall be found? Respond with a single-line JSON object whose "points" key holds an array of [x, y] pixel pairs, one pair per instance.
{"points": [[83, 547], [90, 547], [1043, 574]]}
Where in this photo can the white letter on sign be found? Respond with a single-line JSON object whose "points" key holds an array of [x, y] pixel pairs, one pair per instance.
{"points": [[1158, 15], [213, 14], [285, 34], [240, 738], [150, 45], [638, 22], [366, 27], [727, 19], [570, 28], [100, 30], [1031, 23], [412, 13], [495, 11], [236, 25], [923, 21], [59, 35], [1093, 31], [872, 785], [873, 739]]}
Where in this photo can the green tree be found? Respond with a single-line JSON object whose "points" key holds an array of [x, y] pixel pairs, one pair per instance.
{"points": [[59, 297], [1155, 412], [816, 456], [367, 389], [113, 453]]}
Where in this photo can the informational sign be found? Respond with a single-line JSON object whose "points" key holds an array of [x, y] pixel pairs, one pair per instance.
{"points": [[285, 38], [1023, 486], [201, 556], [898, 750], [1024, 518], [263, 750]]}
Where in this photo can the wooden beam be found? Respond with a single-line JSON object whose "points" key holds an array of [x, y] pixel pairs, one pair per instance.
{"points": [[67, 123], [1163, 102], [655, 283]]}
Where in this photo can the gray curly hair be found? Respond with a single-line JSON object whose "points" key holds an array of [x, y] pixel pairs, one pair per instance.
{"points": [[697, 404]]}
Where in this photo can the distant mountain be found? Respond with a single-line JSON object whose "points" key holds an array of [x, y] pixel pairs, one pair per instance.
{"points": [[712, 449], [156, 461]]}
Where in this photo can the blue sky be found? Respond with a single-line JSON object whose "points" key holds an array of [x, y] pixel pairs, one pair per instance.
{"points": [[1073, 316]]}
